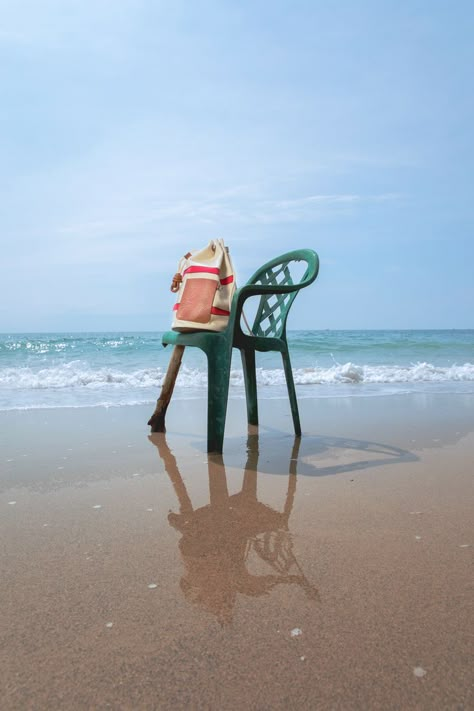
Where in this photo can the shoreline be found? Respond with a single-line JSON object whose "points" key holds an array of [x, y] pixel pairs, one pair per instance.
{"points": [[142, 572], [125, 369]]}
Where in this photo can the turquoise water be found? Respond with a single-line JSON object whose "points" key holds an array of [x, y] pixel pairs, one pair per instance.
{"points": [[119, 369]]}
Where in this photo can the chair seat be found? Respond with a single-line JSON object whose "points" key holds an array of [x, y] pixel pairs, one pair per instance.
{"points": [[193, 338]]}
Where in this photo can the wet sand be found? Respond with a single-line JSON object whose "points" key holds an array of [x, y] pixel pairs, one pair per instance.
{"points": [[331, 572]]}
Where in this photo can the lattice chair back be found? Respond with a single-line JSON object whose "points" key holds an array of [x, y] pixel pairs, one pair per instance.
{"points": [[273, 307]]}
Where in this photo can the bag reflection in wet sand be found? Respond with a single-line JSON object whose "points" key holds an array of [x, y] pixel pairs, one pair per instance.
{"points": [[219, 538]]}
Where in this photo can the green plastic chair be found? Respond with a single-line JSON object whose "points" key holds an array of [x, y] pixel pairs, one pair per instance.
{"points": [[274, 284]]}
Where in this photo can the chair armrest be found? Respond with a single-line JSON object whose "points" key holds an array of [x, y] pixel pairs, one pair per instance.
{"points": [[268, 289], [248, 290]]}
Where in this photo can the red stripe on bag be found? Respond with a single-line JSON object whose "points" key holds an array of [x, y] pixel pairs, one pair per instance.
{"points": [[214, 311], [227, 280], [201, 270]]}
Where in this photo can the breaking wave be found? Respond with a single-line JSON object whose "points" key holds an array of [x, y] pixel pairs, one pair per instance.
{"points": [[78, 375]]}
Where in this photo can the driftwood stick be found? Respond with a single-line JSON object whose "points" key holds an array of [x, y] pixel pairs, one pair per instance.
{"points": [[157, 420]]}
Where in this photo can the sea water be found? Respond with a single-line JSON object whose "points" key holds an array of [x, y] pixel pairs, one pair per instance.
{"points": [[45, 370]]}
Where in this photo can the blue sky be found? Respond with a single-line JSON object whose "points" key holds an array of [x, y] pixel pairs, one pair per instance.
{"points": [[133, 131]]}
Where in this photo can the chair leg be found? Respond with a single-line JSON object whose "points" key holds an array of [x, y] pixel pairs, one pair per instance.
{"points": [[250, 378], [218, 375], [290, 383]]}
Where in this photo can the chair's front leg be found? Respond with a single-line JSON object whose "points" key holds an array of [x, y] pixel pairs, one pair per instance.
{"points": [[250, 378], [218, 375]]}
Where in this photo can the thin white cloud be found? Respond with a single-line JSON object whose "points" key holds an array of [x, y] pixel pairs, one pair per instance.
{"points": [[321, 200], [230, 206]]}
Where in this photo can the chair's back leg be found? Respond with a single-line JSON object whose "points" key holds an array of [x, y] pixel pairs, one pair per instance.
{"points": [[290, 383], [250, 378]]}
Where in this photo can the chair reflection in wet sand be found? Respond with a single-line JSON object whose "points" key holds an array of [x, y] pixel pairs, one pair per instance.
{"points": [[219, 538]]}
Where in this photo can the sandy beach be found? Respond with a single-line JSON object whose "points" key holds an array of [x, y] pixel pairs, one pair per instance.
{"points": [[331, 572]]}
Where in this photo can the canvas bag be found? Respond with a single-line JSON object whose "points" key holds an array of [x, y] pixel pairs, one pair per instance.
{"points": [[205, 290]]}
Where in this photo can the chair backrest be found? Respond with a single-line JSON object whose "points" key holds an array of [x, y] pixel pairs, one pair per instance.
{"points": [[273, 307]]}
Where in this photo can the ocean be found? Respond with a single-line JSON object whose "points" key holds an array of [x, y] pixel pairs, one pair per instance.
{"points": [[45, 370]]}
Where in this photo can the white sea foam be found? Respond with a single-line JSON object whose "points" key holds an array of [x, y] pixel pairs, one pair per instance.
{"points": [[78, 384], [78, 375]]}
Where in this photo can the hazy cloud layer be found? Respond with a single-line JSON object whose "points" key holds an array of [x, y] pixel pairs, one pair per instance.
{"points": [[134, 131]]}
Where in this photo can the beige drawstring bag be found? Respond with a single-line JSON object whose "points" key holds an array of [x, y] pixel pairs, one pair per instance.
{"points": [[205, 285]]}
